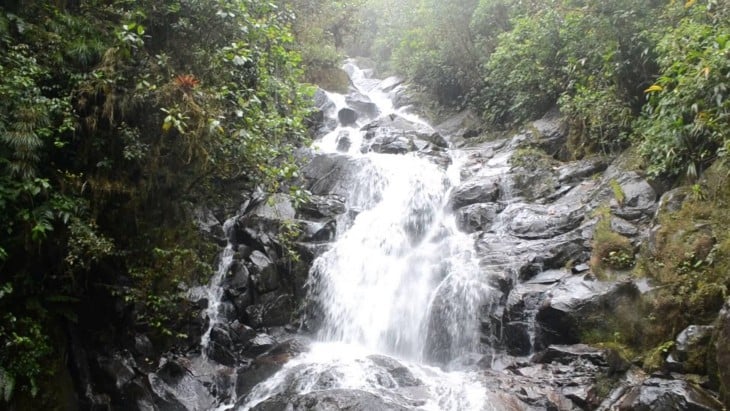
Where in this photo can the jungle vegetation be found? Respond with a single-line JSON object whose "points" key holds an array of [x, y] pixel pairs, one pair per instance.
{"points": [[117, 116]]}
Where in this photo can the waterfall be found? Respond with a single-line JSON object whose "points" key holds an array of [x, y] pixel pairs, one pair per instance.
{"points": [[214, 292], [402, 281]]}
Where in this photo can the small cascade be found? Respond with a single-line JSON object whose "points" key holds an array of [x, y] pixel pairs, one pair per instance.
{"points": [[214, 292]]}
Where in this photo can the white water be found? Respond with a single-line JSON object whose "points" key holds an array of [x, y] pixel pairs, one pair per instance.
{"points": [[214, 292], [401, 281]]}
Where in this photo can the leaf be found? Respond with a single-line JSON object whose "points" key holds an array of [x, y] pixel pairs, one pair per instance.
{"points": [[653, 88]]}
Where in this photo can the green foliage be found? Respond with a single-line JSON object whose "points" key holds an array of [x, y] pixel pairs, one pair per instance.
{"points": [[686, 121], [114, 117], [611, 251]]}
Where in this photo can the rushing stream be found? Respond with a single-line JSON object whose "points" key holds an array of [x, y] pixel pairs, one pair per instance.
{"points": [[400, 283]]}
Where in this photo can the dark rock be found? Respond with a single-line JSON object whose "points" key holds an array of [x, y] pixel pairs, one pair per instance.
{"points": [[176, 386], [722, 352], [343, 141], [567, 354], [532, 221], [143, 346], [580, 268], [662, 394], [391, 144], [623, 227], [484, 190], [274, 310], [477, 217], [318, 231], [119, 369], [690, 349], [322, 207], [362, 105], [347, 116], [578, 170], [578, 302], [334, 399], [263, 272], [551, 134], [259, 345], [465, 125], [209, 225], [401, 375], [331, 174], [671, 201]]}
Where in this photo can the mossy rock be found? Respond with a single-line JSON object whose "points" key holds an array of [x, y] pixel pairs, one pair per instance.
{"points": [[330, 78]]}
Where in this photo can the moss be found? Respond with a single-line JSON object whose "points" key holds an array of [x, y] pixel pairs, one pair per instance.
{"points": [[330, 78], [654, 359], [610, 251]]}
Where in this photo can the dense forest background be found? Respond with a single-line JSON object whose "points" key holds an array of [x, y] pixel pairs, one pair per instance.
{"points": [[118, 117]]}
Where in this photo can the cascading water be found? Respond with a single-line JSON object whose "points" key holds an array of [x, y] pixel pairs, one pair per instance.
{"points": [[214, 292], [401, 281]]}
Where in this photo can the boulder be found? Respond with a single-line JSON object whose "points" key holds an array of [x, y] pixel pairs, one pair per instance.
{"points": [[321, 207], [578, 303], [347, 116], [263, 272], [362, 105], [273, 310], [581, 169], [550, 134], [178, 388], [690, 349], [477, 217], [661, 394], [478, 190], [533, 221]]}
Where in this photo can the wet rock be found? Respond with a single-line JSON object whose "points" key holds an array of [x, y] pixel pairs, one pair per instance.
{"points": [[176, 386], [276, 207], [477, 217], [662, 394], [532, 221], [347, 116], [343, 142], [481, 190], [671, 201], [567, 354], [401, 375], [690, 349], [260, 344], [143, 346], [578, 170], [623, 227], [465, 125], [389, 144], [722, 352], [330, 174], [334, 399], [639, 197], [263, 272], [551, 134], [209, 225], [317, 207], [119, 369], [362, 105], [579, 302], [274, 310], [529, 184], [311, 231], [322, 100]]}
